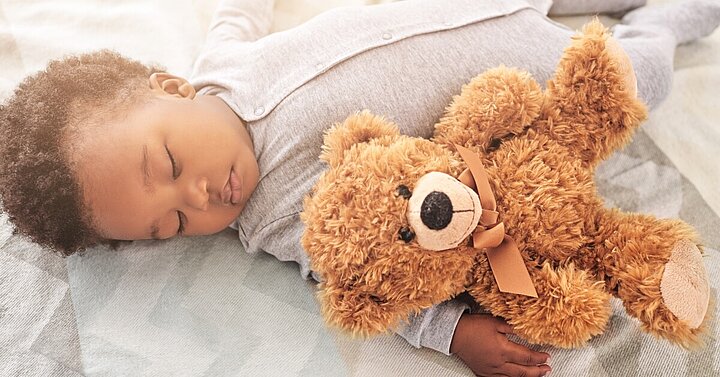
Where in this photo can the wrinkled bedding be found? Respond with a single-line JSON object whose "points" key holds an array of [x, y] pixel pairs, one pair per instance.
{"points": [[202, 306]]}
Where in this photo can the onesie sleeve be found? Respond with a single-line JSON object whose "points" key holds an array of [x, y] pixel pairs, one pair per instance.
{"points": [[434, 327], [240, 21]]}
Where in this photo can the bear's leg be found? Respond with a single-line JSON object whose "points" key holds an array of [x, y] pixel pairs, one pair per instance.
{"points": [[656, 268], [572, 306], [591, 104]]}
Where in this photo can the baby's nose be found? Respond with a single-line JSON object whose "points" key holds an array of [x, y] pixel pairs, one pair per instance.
{"points": [[197, 195]]}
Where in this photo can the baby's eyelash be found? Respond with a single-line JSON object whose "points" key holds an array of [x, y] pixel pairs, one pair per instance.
{"points": [[181, 227], [172, 161]]}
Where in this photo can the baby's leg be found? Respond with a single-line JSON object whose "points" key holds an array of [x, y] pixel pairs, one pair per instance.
{"points": [[649, 36], [574, 7]]}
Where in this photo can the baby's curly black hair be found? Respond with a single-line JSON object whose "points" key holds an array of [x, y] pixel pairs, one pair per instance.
{"points": [[38, 123]]}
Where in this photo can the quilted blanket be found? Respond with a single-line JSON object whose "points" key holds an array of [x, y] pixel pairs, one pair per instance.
{"points": [[202, 306]]}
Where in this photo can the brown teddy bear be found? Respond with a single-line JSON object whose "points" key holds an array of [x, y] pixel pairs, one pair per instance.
{"points": [[395, 224]]}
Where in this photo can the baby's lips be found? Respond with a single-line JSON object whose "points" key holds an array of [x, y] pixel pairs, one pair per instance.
{"points": [[226, 194], [235, 187]]}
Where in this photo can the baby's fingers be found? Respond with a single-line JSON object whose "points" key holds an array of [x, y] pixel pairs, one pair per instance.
{"points": [[518, 354], [515, 370]]}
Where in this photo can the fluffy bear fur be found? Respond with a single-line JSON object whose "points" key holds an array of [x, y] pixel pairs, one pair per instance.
{"points": [[540, 149]]}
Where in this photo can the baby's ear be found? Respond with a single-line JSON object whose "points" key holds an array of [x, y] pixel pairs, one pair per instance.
{"points": [[357, 311], [357, 128], [171, 84]]}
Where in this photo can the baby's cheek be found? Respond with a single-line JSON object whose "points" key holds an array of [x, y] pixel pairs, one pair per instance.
{"points": [[203, 223]]}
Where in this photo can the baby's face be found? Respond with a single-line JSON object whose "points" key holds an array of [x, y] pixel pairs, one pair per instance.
{"points": [[170, 161]]}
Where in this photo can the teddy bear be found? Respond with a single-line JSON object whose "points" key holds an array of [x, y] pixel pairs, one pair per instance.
{"points": [[501, 203]]}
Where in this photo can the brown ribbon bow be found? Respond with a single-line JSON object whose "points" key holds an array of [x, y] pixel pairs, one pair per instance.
{"points": [[503, 254]]}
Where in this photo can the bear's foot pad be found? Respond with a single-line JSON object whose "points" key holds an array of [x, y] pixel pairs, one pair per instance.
{"points": [[684, 286]]}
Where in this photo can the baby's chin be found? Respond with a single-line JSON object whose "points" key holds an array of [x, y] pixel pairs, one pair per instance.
{"points": [[235, 211]]}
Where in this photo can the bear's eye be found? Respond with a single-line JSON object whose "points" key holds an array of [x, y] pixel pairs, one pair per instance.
{"points": [[406, 234], [403, 191], [494, 144]]}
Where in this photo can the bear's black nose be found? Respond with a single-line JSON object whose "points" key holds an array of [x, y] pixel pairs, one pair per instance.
{"points": [[436, 211]]}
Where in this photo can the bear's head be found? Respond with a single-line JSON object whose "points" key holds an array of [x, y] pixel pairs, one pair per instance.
{"points": [[387, 225]]}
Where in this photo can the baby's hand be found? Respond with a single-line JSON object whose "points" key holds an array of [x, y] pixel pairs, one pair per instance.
{"points": [[480, 342]]}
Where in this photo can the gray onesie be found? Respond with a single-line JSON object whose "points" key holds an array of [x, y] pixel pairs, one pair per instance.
{"points": [[403, 60]]}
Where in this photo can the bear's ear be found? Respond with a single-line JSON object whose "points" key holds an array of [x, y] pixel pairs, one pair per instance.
{"points": [[357, 311], [357, 128]]}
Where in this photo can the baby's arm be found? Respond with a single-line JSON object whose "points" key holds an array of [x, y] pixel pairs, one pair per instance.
{"points": [[241, 21], [433, 327], [480, 341]]}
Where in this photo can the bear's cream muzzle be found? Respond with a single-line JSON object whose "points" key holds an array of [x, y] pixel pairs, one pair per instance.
{"points": [[442, 211]]}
